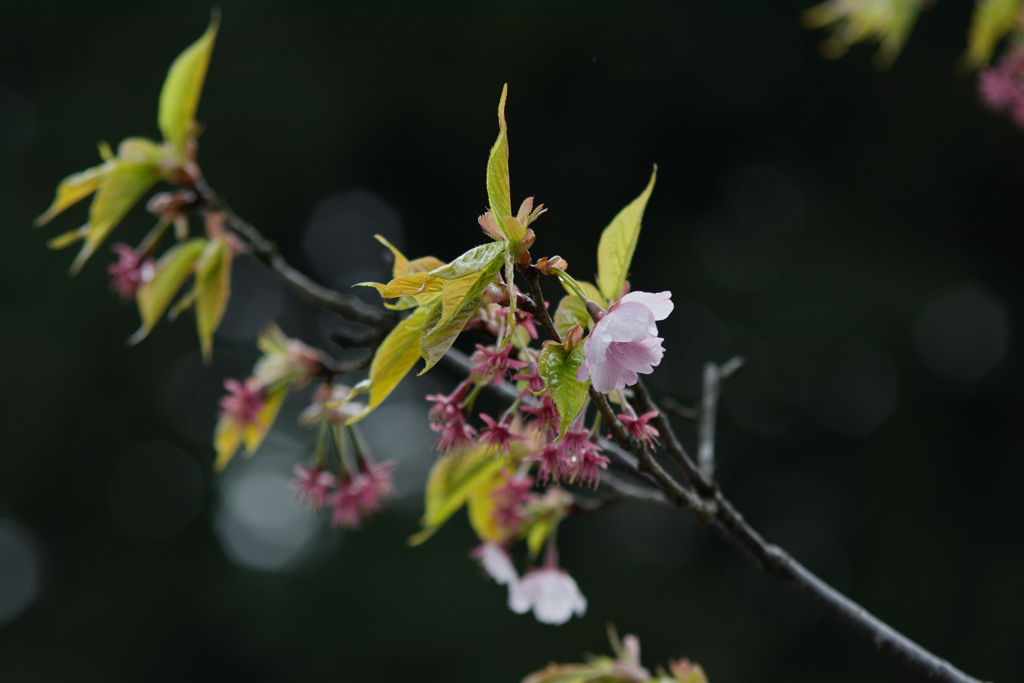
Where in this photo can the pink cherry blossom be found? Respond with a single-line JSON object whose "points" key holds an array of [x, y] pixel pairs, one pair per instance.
{"points": [[638, 427], [490, 363], [550, 592], [449, 418], [130, 271], [550, 459], [243, 403], [625, 342], [509, 503], [546, 415], [313, 485], [498, 434]]}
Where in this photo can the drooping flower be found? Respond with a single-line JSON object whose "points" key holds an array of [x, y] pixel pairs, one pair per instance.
{"points": [[243, 402], [378, 485], [345, 503], [624, 341], [498, 434], [449, 418], [361, 494], [638, 427], [581, 457], [546, 415], [130, 271], [550, 592], [550, 459], [313, 485], [510, 503], [491, 364], [496, 562]]}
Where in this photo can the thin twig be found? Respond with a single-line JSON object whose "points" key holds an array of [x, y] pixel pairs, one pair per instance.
{"points": [[714, 375]]}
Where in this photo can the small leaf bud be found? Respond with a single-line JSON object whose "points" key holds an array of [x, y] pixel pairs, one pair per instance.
{"points": [[573, 336], [528, 239]]}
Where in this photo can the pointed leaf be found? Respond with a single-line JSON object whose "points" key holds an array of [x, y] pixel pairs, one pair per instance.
{"points": [[401, 266], [227, 438], [592, 292], [121, 188], [73, 189], [172, 270], [991, 20], [179, 97], [213, 288], [480, 507], [559, 373], [460, 298], [472, 261], [618, 242], [273, 399], [497, 167], [393, 360], [66, 238]]}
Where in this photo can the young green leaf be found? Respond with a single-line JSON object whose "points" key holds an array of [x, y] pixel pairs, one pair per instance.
{"points": [[256, 433], [213, 289], [394, 358], [452, 480], [497, 167], [571, 310], [172, 270], [460, 298], [991, 20], [480, 507], [119, 190], [179, 97], [592, 292], [75, 188], [558, 370], [618, 242]]}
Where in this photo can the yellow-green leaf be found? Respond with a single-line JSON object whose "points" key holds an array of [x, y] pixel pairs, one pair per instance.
{"points": [[992, 19], [179, 97], [571, 310], [120, 189], [480, 508], [172, 270], [393, 360], [75, 188], [401, 266], [559, 372], [227, 437], [538, 534], [618, 242], [213, 288], [460, 298], [472, 261], [497, 167], [453, 478], [264, 420], [66, 238]]}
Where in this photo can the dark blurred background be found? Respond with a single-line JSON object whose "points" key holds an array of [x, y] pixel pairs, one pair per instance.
{"points": [[855, 235]]}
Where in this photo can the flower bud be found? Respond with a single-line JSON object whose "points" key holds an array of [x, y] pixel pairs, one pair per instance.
{"points": [[595, 311], [573, 336], [493, 294], [545, 265], [528, 239]]}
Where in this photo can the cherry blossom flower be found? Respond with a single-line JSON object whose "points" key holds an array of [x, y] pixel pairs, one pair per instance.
{"points": [[498, 434], [496, 562], [345, 503], [313, 485], [638, 427], [243, 402], [360, 495], [509, 503], [330, 404], [449, 418], [546, 415], [624, 341], [130, 271], [550, 459], [490, 363], [535, 383], [1001, 87], [377, 486], [550, 592]]}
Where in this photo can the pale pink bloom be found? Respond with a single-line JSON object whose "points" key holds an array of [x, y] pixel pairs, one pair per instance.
{"points": [[498, 434], [496, 562], [130, 271], [314, 485], [345, 510], [550, 592], [625, 342], [490, 363], [243, 402]]}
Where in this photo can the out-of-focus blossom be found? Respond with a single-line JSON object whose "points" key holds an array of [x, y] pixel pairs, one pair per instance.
{"points": [[448, 417], [496, 562], [361, 494], [287, 360], [331, 404], [888, 22], [243, 402], [130, 271], [550, 592], [510, 502], [1001, 87], [313, 485], [624, 341]]}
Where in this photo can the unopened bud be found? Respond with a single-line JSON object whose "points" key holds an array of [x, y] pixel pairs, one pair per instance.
{"points": [[169, 205], [527, 242], [545, 265], [493, 294], [573, 336], [595, 311]]}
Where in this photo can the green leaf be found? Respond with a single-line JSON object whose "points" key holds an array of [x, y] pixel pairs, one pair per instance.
{"points": [[75, 188], [472, 261], [992, 19], [213, 289], [480, 506], [230, 435], [497, 167], [453, 479], [571, 310], [592, 292], [618, 242], [172, 270], [559, 373], [179, 97], [119, 190], [460, 298], [393, 360]]}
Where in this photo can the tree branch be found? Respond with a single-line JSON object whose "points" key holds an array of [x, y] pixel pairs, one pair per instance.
{"points": [[714, 375]]}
